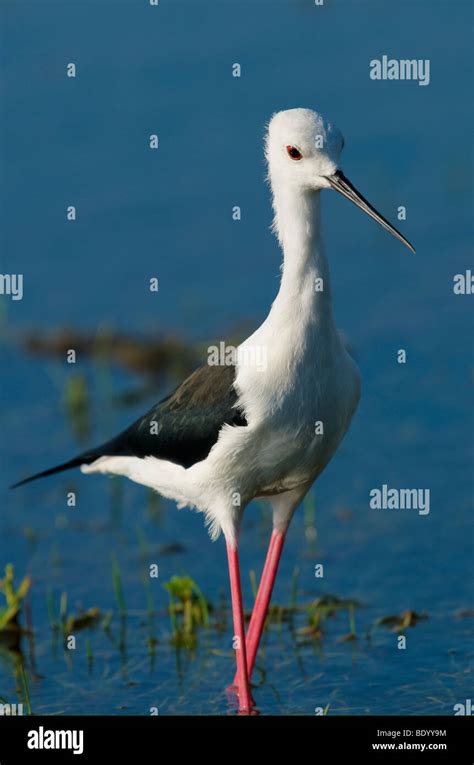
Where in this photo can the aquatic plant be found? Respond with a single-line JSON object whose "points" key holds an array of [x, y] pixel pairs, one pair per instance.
{"points": [[10, 630], [188, 610]]}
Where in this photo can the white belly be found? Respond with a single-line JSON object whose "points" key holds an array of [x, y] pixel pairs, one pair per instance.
{"points": [[298, 409]]}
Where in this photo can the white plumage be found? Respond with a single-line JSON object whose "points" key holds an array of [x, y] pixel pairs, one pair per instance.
{"points": [[308, 378], [228, 435]]}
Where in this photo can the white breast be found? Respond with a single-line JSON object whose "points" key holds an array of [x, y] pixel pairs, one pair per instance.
{"points": [[298, 407]]}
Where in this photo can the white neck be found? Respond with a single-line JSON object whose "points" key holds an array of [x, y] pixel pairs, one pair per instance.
{"points": [[298, 227]]}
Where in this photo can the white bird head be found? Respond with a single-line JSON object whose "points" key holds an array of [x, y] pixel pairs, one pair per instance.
{"points": [[303, 151]]}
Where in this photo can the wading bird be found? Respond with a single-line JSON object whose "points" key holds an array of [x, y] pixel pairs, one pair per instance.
{"points": [[231, 433]]}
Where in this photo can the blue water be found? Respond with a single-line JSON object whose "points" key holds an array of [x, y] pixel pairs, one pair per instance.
{"points": [[140, 213]]}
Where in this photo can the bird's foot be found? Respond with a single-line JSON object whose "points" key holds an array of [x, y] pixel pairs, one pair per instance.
{"points": [[233, 698]]}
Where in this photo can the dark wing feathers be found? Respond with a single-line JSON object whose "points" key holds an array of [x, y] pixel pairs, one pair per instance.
{"points": [[181, 428]]}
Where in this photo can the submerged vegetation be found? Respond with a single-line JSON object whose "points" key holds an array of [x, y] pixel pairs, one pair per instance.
{"points": [[10, 628], [159, 358], [188, 610], [195, 619], [399, 622]]}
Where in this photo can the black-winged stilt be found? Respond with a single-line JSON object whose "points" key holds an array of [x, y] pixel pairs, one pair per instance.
{"points": [[229, 434]]}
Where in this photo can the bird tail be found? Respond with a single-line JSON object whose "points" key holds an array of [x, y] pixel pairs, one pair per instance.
{"points": [[82, 459]]}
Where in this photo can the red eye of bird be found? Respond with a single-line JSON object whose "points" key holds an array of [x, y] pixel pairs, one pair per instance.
{"points": [[294, 153]]}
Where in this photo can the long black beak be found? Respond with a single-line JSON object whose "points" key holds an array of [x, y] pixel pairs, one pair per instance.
{"points": [[340, 183]]}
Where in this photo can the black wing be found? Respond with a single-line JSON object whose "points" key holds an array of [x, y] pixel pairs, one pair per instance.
{"points": [[182, 428]]}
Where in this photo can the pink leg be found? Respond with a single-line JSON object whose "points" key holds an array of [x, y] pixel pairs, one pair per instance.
{"points": [[242, 680], [259, 613]]}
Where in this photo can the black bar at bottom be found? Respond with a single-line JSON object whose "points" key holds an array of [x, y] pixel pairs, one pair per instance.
{"points": [[121, 738]]}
